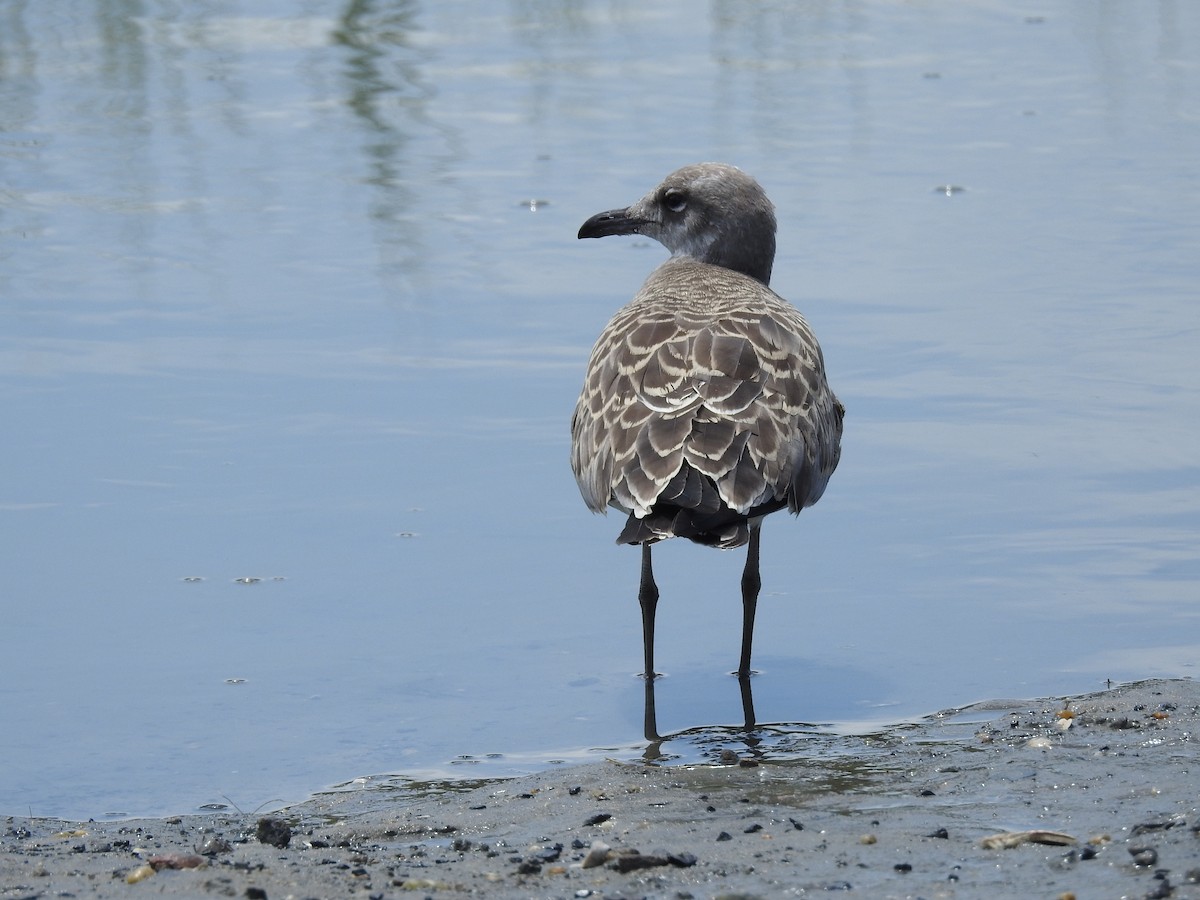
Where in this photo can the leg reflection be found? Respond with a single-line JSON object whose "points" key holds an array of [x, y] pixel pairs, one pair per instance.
{"points": [[651, 718], [747, 700], [655, 740]]}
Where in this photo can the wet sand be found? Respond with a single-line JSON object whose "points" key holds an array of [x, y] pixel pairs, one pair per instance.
{"points": [[1093, 796]]}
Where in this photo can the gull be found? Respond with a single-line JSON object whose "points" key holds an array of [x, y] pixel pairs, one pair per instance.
{"points": [[705, 406]]}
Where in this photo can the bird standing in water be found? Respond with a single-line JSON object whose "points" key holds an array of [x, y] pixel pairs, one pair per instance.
{"points": [[705, 406]]}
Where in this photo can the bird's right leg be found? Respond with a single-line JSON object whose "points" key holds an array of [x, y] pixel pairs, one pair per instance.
{"points": [[648, 600]]}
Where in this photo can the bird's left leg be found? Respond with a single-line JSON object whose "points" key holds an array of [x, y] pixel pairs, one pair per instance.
{"points": [[751, 583]]}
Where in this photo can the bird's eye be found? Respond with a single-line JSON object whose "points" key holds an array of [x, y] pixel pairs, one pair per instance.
{"points": [[675, 200]]}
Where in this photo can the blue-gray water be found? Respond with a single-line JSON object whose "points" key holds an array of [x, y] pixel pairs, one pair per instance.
{"points": [[290, 291]]}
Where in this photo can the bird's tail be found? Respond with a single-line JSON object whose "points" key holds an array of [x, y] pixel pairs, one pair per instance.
{"points": [[664, 522]]}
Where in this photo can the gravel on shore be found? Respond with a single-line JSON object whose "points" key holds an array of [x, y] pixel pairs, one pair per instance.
{"points": [[1093, 796]]}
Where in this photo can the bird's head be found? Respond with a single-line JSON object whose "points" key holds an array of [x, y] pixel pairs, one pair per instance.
{"points": [[710, 212]]}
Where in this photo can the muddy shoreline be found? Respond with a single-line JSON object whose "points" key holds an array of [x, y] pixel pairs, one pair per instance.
{"points": [[1091, 796]]}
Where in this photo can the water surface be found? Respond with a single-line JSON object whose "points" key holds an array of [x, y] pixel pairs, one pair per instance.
{"points": [[293, 318]]}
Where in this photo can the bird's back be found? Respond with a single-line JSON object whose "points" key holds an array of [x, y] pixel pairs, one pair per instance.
{"points": [[705, 405]]}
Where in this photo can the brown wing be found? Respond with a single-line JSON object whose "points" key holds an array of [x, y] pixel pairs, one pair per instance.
{"points": [[706, 393]]}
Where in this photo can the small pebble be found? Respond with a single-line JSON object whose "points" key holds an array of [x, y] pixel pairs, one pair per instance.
{"points": [[176, 861], [141, 873], [1143, 856], [597, 855], [212, 845]]}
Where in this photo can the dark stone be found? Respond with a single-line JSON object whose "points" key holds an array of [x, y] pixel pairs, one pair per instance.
{"points": [[1145, 827], [597, 819], [550, 854], [630, 862], [724, 836], [275, 832]]}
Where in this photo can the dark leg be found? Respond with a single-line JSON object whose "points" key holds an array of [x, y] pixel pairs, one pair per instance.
{"points": [[751, 582], [648, 599]]}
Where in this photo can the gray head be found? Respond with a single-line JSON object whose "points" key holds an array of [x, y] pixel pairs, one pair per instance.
{"points": [[710, 212]]}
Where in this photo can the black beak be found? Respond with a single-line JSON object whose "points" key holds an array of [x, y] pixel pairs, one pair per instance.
{"points": [[615, 221]]}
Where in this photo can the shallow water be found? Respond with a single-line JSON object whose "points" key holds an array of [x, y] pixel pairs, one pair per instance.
{"points": [[290, 292]]}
